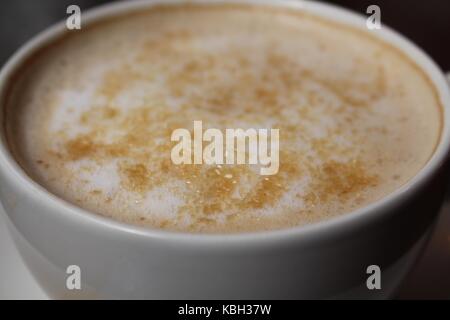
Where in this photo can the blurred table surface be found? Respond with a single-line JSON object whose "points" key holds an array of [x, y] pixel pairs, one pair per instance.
{"points": [[427, 23]]}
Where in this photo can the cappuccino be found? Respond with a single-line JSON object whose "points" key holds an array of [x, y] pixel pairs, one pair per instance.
{"points": [[90, 117]]}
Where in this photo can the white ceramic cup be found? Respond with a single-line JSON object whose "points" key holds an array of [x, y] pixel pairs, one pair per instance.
{"points": [[324, 260]]}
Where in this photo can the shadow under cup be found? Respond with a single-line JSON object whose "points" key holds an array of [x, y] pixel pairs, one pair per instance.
{"points": [[323, 260]]}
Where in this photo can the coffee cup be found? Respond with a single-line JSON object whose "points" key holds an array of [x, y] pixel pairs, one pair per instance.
{"points": [[327, 259]]}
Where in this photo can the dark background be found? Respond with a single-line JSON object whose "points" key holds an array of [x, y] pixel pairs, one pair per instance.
{"points": [[427, 23]]}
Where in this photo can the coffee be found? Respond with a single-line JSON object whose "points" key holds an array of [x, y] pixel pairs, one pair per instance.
{"points": [[91, 116]]}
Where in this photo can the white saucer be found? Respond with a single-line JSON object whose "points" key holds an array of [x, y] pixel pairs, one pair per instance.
{"points": [[429, 278]]}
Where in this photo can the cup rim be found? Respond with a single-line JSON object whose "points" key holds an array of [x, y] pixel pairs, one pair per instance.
{"points": [[335, 225]]}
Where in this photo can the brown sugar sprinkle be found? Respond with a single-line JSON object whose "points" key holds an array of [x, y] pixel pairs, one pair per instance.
{"points": [[212, 190], [339, 180], [209, 191], [81, 147], [257, 93], [135, 177], [84, 146], [115, 81], [267, 192], [105, 113]]}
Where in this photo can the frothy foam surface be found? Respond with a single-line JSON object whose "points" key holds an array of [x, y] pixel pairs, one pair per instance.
{"points": [[91, 117]]}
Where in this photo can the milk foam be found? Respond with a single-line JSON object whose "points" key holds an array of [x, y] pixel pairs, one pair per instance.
{"points": [[93, 116]]}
